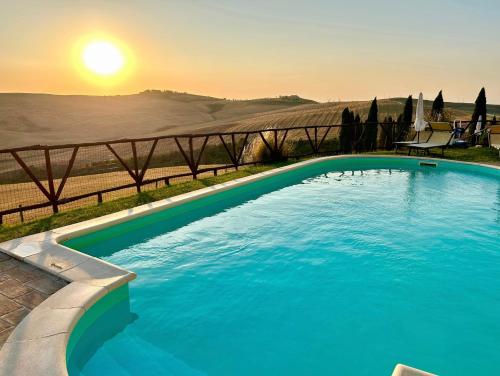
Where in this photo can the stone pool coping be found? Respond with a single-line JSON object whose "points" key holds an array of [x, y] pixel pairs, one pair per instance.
{"points": [[38, 344]]}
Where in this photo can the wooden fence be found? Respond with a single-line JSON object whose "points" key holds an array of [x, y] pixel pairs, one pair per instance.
{"points": [[39, 180]]}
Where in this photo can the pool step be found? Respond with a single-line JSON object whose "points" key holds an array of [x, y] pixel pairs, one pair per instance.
{"points": [[402, 370]]}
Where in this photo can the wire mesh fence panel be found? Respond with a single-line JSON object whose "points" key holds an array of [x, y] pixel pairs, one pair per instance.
{"points": [[96, 169], [297, 144], [124, 154], [167, 160], [267, 145], [23, 183], [328, 140], [143, 151], [26, 178], [386, 135], [224, 150]]}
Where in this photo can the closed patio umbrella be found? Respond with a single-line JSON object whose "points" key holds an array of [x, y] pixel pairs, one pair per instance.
{"points": [[479, 124], [420, 123]]}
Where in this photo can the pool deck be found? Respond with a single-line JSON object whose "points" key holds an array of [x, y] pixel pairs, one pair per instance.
{"points": [[22, 288], [37, 345], [38, 265]]}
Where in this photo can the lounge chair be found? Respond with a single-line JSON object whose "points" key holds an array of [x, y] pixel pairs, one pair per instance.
{"points": [[417, 138], [494, 137], [442, 134]]}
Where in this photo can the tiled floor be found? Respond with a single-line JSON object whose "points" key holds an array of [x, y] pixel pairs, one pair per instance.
{"points": [[22, 288]]}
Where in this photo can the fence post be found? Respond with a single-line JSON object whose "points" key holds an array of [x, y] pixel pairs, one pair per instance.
{"points": [[50, 180], [136, 168], [276, 152], [21, 212], [194, 168], [233, 141]]}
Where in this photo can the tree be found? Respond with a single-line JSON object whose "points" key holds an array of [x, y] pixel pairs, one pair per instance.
{"points": [[479, 110], [494, 120], [371, 127], [404, 120], [437, 106], [345, 137], [357, 132], [408, 111]]}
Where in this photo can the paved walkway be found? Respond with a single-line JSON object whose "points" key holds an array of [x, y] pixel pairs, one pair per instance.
{"points": [[22, 288]]}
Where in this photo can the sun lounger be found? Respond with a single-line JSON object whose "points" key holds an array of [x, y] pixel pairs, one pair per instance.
{"points": [[423, 137], [441, 136], [494, 137]]}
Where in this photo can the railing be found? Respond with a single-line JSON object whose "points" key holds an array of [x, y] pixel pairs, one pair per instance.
{"points": [[38, 180]]}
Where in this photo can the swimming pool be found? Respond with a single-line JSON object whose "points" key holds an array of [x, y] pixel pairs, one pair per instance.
{"points": [[344, 267]]}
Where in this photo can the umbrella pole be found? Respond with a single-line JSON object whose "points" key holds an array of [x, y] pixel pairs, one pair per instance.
{"points": [[418, 136]]}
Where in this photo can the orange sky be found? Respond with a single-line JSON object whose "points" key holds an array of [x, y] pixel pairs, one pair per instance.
{"points": [[243, 49]]}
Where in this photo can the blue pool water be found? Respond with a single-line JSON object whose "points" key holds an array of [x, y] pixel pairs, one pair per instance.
{"points": [[316, 272]]}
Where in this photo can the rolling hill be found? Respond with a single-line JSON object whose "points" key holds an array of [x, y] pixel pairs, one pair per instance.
{"points": [[28, 119]]}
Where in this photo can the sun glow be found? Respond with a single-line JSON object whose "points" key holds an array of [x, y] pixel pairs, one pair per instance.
{"points": [[103, 58], [103, 61]]}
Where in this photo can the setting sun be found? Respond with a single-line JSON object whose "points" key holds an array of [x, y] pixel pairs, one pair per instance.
{"points": [[102, 58]]}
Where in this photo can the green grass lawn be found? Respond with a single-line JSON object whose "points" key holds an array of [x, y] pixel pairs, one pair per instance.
{"points": [[478, 155], [7, 232]]}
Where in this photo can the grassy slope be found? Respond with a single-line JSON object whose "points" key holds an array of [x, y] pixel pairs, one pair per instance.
{"points": [[330, 113], [27, 119], [480, 155]]}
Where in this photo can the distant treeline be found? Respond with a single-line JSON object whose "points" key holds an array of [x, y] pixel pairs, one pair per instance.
{"points": [[187, 97]]}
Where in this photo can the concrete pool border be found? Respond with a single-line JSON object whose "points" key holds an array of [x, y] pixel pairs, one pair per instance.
{"points": [[38, 344]]}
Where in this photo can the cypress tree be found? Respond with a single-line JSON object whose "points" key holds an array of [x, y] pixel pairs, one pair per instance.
{"points": [[408, 111], [438, 106], [345, 137], [479, 110], [357, 132], [404, 120], [371, 127]]}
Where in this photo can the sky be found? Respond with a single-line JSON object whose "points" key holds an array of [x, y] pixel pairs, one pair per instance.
{"points": [[324, 50]]}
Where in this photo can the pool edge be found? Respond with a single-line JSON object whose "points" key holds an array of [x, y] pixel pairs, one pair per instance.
{"points": [[38, 344]]}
